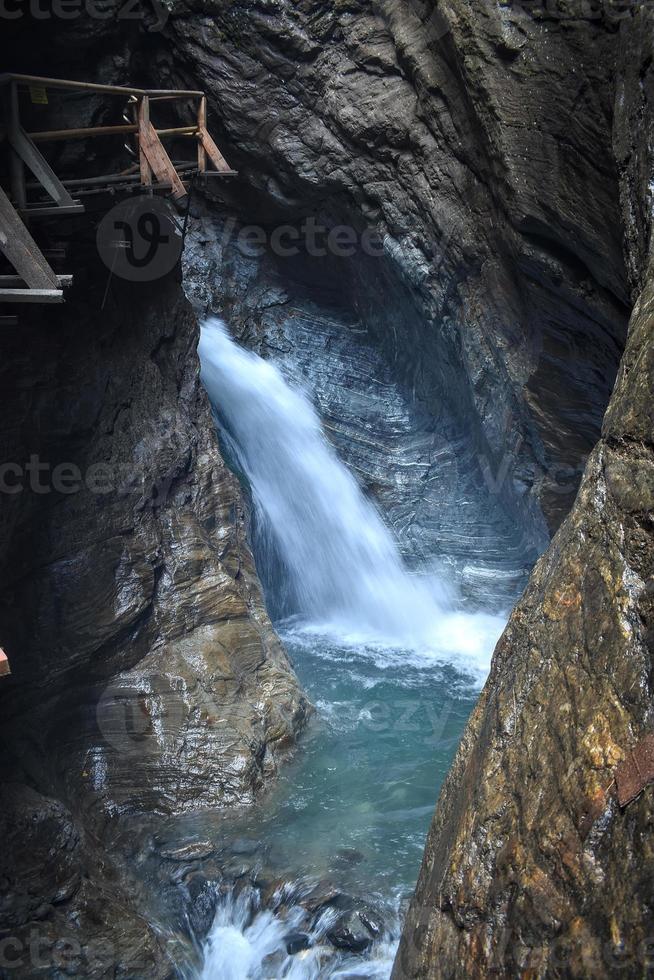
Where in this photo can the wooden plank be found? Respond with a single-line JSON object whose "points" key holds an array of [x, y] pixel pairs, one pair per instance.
{"points": [[202, 125], [21, 250], [39, 166], [159, 160], [31, 296], [17, 281], [213, 152]]}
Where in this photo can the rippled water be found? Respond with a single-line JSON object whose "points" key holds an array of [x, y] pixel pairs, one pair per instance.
{"points": [[391, 663]]}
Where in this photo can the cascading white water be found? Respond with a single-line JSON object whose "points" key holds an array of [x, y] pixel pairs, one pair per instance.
{"points": [[362, 623], [250, 943], [341, 561]]}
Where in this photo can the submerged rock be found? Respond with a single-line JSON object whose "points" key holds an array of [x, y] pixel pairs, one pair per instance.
{"points": [[296, 942], [194, 851], [350, 933]]}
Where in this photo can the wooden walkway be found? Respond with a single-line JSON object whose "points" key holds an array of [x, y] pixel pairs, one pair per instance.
{"points": [[48, 196]]}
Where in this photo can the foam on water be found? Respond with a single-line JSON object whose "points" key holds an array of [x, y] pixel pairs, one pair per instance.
{"points": [[250, 943]]}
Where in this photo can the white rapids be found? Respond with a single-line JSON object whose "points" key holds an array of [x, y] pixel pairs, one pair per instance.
{"points": [[338, 559]]}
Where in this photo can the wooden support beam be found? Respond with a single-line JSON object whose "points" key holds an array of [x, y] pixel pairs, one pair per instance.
{"points": [[31, 296], [202, 125], [143, 121], [213, 152], [21, 250], [39, 166], [153, 149]]}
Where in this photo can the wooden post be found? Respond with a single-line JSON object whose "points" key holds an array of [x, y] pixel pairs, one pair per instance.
{"points": [[202, 124], [17, 167], [143, 118]]}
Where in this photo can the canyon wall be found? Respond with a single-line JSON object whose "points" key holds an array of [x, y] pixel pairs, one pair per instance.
{"points": [[474, 139], [532, 866], [146, 675]]}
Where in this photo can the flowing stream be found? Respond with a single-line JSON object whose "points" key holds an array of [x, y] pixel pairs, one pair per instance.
{"points": [[391, 664]]}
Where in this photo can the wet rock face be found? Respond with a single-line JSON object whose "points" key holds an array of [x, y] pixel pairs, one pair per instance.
{"points": [[475, 138], [64, 910], [144, 665], [532, 866], [146, 675]]}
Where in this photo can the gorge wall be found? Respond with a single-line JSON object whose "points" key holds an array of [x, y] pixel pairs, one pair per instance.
{"points": [[497, 151], [462, 134], [532, 867], [146, 676]]}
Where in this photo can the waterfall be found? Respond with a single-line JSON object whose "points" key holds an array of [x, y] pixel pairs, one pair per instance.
{"points": [[320, 539]]}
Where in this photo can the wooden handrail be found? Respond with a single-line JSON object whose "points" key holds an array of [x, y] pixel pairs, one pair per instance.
{"points": [[55, 135], [7, 78]]}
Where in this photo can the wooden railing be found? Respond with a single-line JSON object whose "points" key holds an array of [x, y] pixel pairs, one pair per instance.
{"points": [[154, 162], [155, 171]]}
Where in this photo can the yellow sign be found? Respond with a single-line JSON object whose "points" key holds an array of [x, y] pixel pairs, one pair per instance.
{"points": [[38, 95]]}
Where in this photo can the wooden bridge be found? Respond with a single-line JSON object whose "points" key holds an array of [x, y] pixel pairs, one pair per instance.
{"points": [[48, 196]]}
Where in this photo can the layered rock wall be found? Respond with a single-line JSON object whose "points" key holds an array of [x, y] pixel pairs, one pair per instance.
{"points": [[532, 867]]}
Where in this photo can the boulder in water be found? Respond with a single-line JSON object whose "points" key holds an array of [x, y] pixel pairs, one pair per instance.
{"points": [[296, 942], [350, 934]]}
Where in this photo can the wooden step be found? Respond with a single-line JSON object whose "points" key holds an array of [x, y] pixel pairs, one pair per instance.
{"points": [[219, 173], [31, 296], [16, 281], [52, 211]]}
